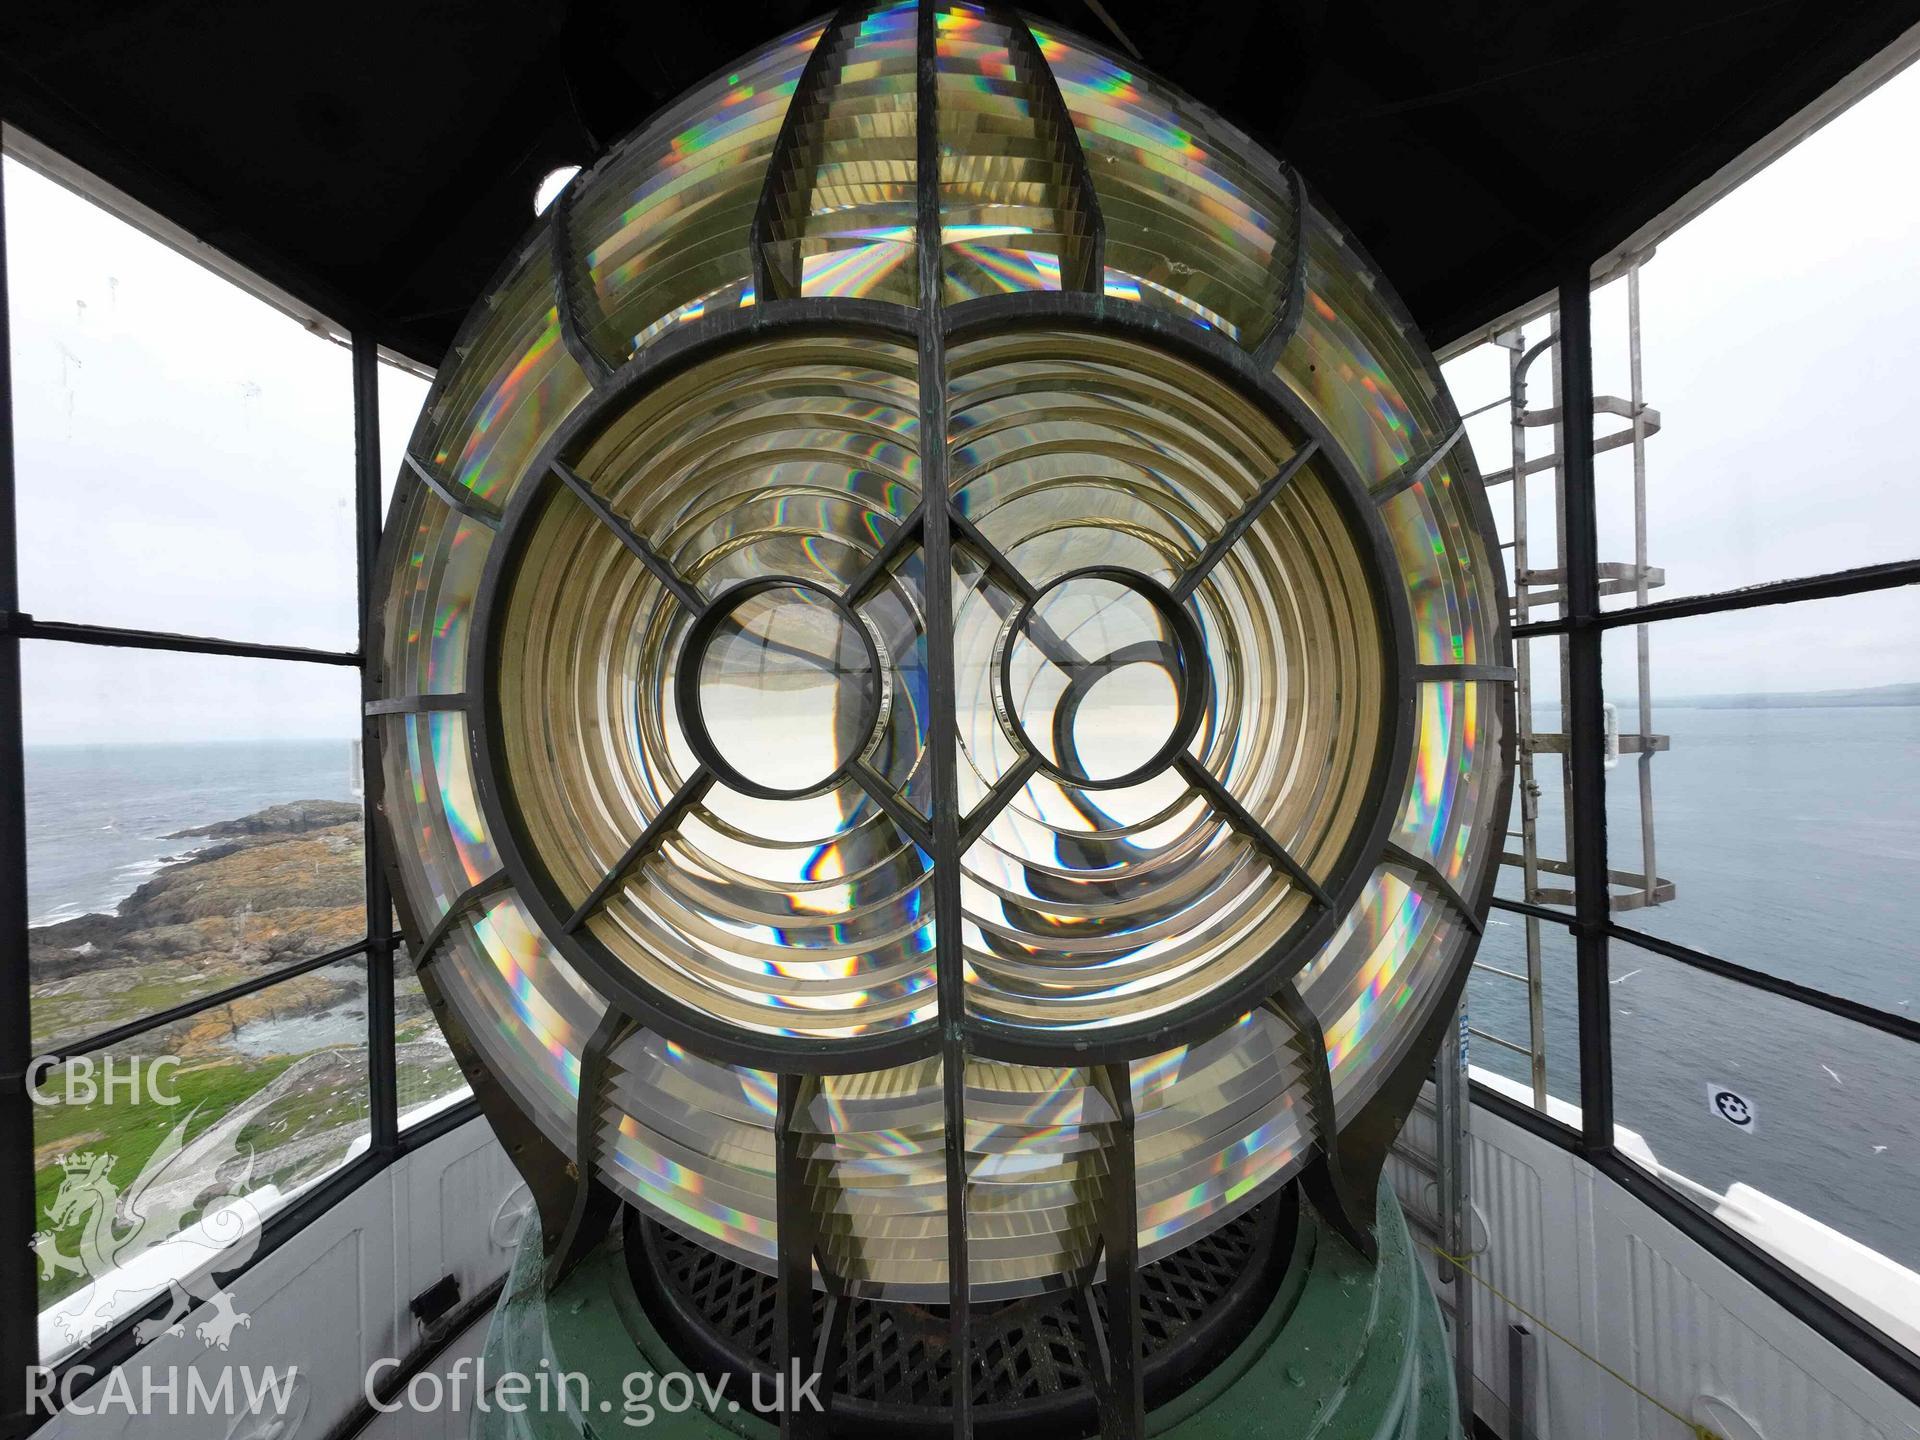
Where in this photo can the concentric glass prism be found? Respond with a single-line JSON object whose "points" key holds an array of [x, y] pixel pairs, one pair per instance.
{"points": [[941, 653]]}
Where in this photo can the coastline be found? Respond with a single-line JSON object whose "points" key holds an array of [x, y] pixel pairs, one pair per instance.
{"points": [[265, 890], [274, 1083]]}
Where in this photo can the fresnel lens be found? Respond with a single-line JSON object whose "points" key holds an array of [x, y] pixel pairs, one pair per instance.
{"points": [[942, 691]]}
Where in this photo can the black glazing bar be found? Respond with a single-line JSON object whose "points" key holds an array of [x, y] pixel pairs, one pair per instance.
{"points": [[19, 1330], [1088, 272], [415, 704], [691, 792], [1431, 674], [1902, 1027], [904, 535], [568, 297], [1433, 875], [460, 499], [796, 1234], [1418, 469], [997, 799], [464, 901], [1830, 586], [1122, 1400], [1538, 912], [383, 1082], [1324, 1181], [187, 1009], [656, 564], [1586, 713], [1836, 1323], [809, 94], [1287, 324], [911, 822], [24, 627], [1237, 528], [937, 542], [1238, 816]]}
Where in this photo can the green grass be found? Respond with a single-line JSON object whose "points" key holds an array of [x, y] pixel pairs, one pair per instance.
{"points": [[78, 1012], [131, 1132]]}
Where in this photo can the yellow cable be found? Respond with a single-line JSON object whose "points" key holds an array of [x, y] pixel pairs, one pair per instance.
{"points": [[1695, 1429]]}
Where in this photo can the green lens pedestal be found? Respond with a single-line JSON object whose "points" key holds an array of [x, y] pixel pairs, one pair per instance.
{"points": [[1346, 1350]]}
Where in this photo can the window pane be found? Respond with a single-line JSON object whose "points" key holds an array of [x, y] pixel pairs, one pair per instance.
{"points": [[1497, 1007], [1832, 1139], [184, 451], [270, 1095], [1779, 332], [191, 820], [402, 393], [428, 1079], [1787, 812]]}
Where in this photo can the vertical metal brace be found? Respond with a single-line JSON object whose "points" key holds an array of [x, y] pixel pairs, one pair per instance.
{"points": [[937, 546], [1085, 269], [1287, 323], [383, 1082], [594, 1205], [19, 1332], [1119, 1392], [799, 1346], [1586, 725], [1515, 344], [569, 292], [1324, 1180], [774, 221], [1453, 1153], [1637, 401]]}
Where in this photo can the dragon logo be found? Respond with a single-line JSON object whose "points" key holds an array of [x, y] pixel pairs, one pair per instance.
{"points": [[139, 1240]]}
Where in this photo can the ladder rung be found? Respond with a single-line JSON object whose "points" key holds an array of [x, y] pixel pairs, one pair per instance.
{"points": [[1496, 970], [1496, 1040]]}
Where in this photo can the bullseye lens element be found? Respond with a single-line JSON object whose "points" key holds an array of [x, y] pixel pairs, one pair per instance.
{"points": [[1094, 678], [787, 690]]}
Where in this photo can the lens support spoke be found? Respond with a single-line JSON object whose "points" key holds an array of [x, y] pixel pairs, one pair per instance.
{"points": [[650, 839], [675, 584]]}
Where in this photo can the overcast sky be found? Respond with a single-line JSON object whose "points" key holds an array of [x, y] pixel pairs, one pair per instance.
{"points": [[185, 453], [1780, 342]]}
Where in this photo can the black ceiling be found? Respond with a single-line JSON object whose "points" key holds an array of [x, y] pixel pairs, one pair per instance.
{"points": [[378, 157]]}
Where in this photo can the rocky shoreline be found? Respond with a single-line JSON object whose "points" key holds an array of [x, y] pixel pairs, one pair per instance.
{"points": [[269, 889]]}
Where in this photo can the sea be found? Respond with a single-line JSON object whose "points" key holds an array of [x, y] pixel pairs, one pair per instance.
{"points": [[1792, 837], [98, 815]]}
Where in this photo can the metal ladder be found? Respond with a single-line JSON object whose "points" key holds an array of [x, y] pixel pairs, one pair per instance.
{"points": [[1629, 889]]}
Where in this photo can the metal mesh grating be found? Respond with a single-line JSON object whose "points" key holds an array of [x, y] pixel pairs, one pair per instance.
{"points": [[1034, 1360]]}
